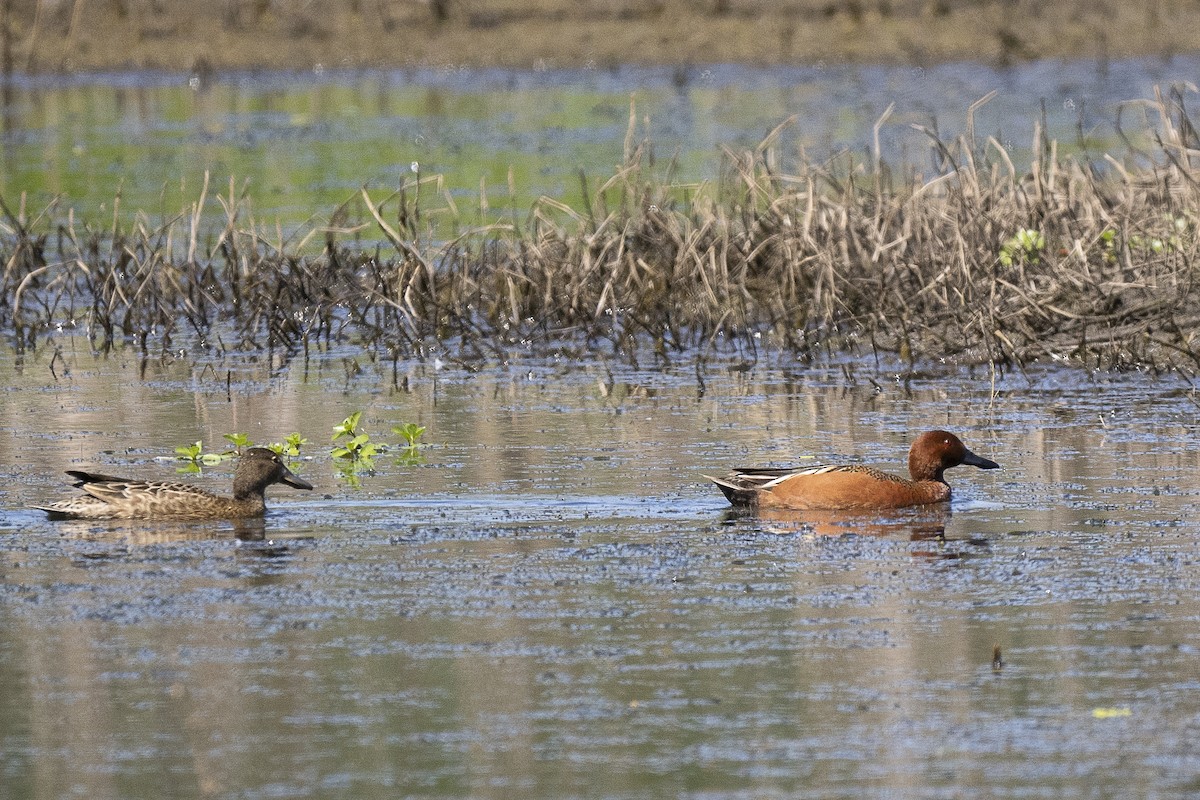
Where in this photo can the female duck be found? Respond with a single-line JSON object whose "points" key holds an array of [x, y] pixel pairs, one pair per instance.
{"points": [[851, 487], [107, 497]]}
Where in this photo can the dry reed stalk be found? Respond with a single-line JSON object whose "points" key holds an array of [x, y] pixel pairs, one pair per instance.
{"points": [[1092, 263]]}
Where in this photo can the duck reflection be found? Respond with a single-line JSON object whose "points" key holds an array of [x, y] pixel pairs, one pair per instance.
{"points": [[920, 524], [917, 524], [140, 534]]}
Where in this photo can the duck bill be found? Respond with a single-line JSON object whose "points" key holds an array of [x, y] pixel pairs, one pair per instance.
{"points": [[979, 461], [290, 479]]}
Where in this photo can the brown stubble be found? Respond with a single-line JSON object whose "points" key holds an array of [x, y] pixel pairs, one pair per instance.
{"points": [[841, 256]]}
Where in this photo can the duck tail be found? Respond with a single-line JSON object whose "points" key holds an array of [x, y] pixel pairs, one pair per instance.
{"points": [[737, 494], [82, 478], [54, 511]]}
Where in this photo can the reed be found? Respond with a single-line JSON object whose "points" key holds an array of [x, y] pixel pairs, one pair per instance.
{"points": [[1089, 263]]}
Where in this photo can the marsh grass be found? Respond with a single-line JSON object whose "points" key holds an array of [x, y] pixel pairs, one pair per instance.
{"points": [[1084, 261]]}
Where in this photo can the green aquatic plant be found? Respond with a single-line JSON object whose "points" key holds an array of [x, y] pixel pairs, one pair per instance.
{"points": [[196, 455], [196, 459], [410, 454], [410, 432], [290, 446], [356, 455], [358, 447], [240, 441], [348, 426]]}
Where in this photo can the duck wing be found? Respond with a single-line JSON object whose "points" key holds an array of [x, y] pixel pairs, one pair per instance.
{"points": [[766, 477], [110, 497], [770, 476], [154, 492], [92, 477], [742, 485]]}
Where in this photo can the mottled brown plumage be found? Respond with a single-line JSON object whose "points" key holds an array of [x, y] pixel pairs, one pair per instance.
{"points": [[847, 487], [108, 497]]}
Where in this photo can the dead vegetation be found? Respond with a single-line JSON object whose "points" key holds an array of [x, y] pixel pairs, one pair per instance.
{"points": [[1091, 263]]}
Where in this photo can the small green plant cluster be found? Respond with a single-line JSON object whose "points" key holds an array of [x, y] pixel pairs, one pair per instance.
{"points": [[1180, 232], [1161, 244], [355, 452], [195, 458], [290, 446], [352, 450], [410, 454], [1023, 247], [240, 442]]}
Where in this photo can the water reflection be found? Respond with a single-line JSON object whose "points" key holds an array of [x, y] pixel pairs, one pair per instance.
{"points": [[554, 605], [304, 144], [916, 524], [144, 533]]}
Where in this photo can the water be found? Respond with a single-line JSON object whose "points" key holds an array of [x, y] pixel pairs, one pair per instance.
{"points": [[555, 604], [298, 146]]}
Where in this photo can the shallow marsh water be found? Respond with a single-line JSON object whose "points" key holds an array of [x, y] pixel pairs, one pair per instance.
{"points": [[555, 604], [300, 145]]}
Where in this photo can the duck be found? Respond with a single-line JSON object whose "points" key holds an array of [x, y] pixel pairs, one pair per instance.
{"points": [[108, 497], [843, 487]]}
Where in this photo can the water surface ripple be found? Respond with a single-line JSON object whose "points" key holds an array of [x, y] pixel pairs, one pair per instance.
{"points": [[554, 604]]}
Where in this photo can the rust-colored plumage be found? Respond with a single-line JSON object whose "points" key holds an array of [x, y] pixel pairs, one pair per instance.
{"points": [[108, 497], [849, 487]]}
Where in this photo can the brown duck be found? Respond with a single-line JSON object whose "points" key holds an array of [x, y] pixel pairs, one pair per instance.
{"points": [[107, 497], [847, 487]]}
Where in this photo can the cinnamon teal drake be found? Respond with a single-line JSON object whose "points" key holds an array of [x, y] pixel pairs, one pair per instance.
{"points": [[106, 497], [855, 487]]}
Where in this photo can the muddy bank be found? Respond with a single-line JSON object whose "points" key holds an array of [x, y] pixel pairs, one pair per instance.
{"points": [[75, 36]]}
